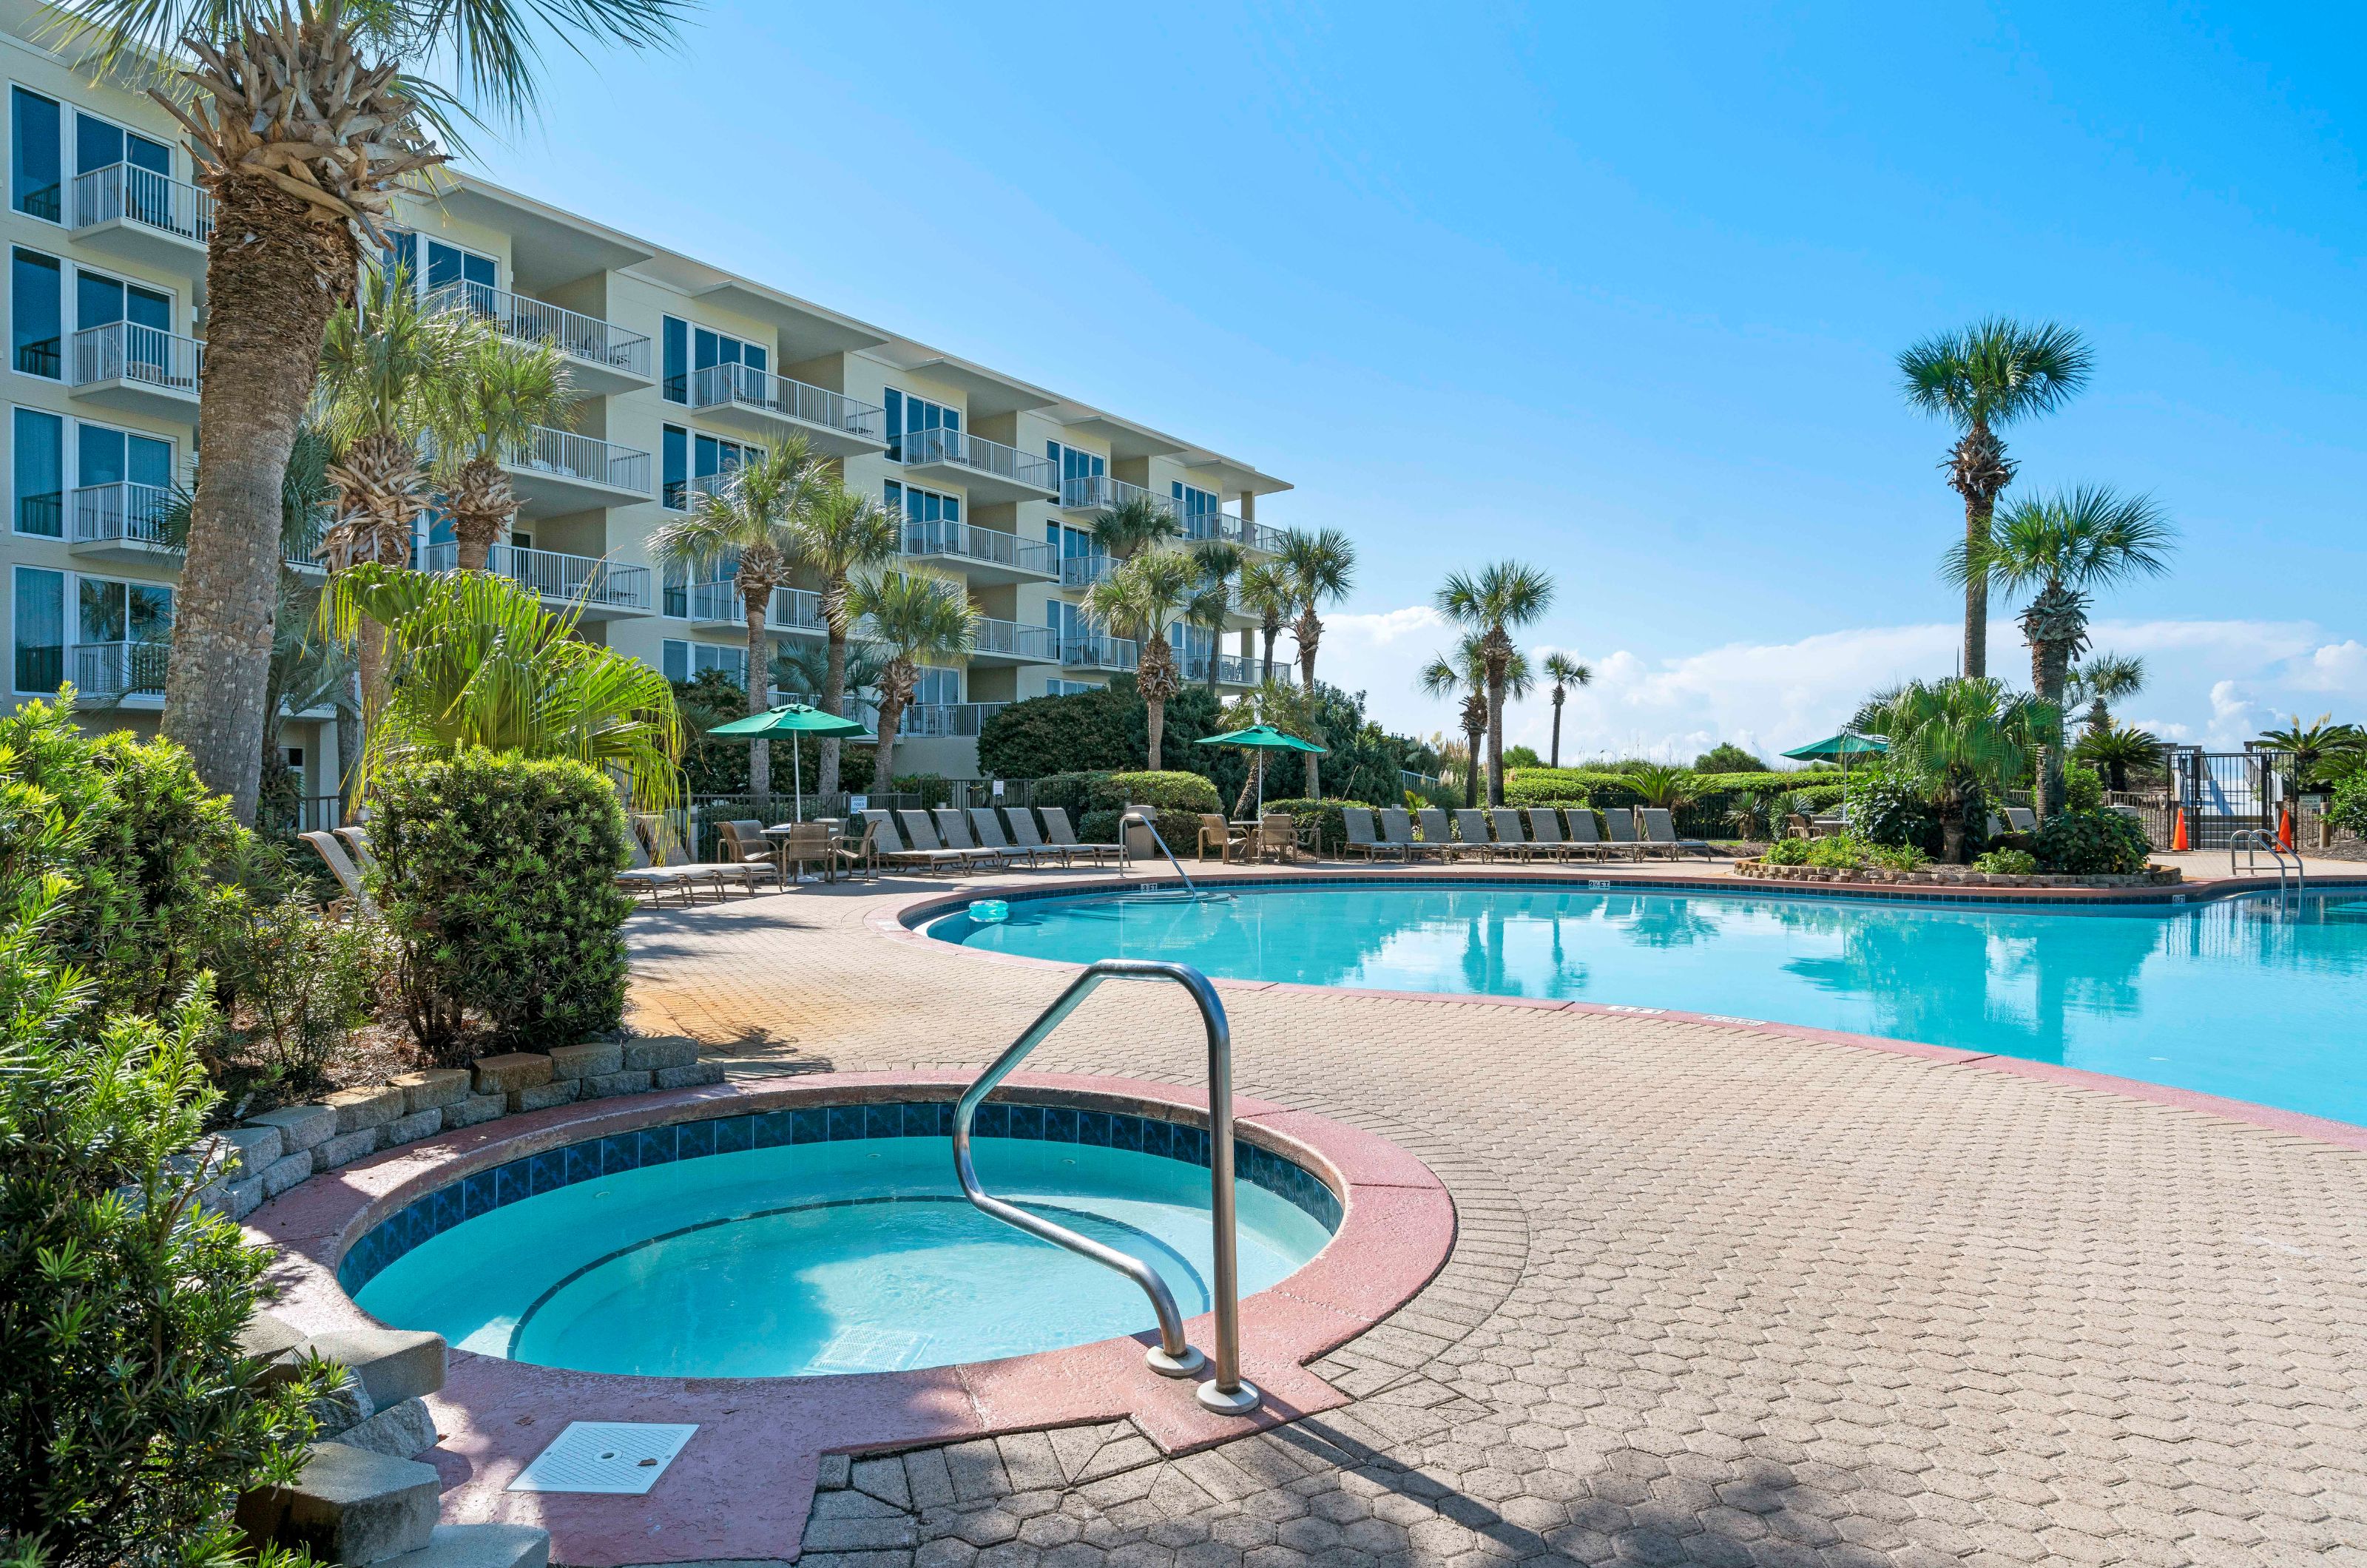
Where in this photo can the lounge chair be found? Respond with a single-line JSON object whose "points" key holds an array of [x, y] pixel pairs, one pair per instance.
{"points": [[1510, 840], [1545, 833], [990, 837], [657, 881], [341, 867], [955, 833], [1024, 830], [1436, 833], [1660, 830], [1397, 833], [1227, 838], [888, 847], [1064, 837], [358, 841], [1622, 824], [1361, 839], [2021, 818], [1586, 834], [1472, 823], [1278, 836], [922, 834]]}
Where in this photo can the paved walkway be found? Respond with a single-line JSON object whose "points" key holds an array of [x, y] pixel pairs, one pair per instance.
{"points": [[1718, 1296]]}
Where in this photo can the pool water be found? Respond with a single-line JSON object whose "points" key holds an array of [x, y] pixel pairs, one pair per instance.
{"points": [[848, 1256], [2234, 997]]}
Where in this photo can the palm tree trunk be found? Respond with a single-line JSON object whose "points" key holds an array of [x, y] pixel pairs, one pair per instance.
{"points": [[1472, 742], [1271, 629], [1495, 738], [272, 278], [1556, 731], [2050, 668], [1310, 633], [754, 599], [1986, 472], [883, 765], [834, 679]]}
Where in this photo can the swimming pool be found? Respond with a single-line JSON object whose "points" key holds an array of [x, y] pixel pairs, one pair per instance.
{"points": [[2233, 996], [823, 1240]]}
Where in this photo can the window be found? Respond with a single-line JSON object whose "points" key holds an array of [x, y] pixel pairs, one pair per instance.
{"points": [[39, 474], [40, 617], [713, 460], [1077, 471], [1069, 624], [125, 611], [709, 350], [1191, 502], [677, 600], [101, 301], [915, 416], [100, 144], [36, 315], [684, 661], [36, 163], [676, 333], [919, 505], [448, 264], [934, 686], [105, 457], [1069, 688], [675, 460]]}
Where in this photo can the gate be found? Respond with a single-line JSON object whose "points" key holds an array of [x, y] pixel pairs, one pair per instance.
{"points": [[2225, 792]]}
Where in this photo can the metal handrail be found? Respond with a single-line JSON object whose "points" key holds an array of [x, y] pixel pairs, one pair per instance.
{"points": [[1193, 893], [1173, 1356], [2253, 841]]}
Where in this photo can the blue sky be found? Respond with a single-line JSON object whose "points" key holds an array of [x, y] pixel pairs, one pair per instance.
{"points": [[1614, 293]]}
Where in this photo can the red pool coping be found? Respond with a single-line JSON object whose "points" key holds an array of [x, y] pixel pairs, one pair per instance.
{"points": [[742, 1487], [902, 923]]}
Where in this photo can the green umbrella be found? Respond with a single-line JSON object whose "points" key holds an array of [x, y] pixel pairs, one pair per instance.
{"points": [[1262, 738], [795, 720], [1841, 748]]}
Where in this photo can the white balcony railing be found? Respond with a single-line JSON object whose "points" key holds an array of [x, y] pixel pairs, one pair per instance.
{"points": [[1100, 492], [961, 449], [963, 542], [563, 454], [126, 351], [579, 336], [121, 512], [717, 604], [572, 578], [143, 197], [741, 387], [117, 668], [1015, 640], [931, 720], [1087, 651]]}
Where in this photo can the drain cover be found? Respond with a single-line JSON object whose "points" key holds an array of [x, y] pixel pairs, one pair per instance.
{"points": [[621, 1458]]}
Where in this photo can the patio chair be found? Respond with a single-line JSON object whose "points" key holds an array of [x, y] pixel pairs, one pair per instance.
{"points": [[1029, 837], [669, 852], [1621, 822], [1510, 840], [657, 881], [1545, 833], [1586, 833], [1362, 837], [2021, 818], [1800, 825], [890, 849], [990, 837], [922, 835], [1227, 838], [1397, 833], [954, 831], [1472, 823], [1064, 837], [1660, 830], [1436, 833], [861, 858], [808, 843], [1278, 836], [348, 875], [741, 843]]}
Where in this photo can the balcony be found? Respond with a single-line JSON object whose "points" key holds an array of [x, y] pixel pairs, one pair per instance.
{"points": [[122, 522], [1117, 655], [932, 721], [989, 470], [1232, 670], [1100, 492], [556, 471], [602, 357], [605, 591], [1012, 642], [129, 672], [985, 555], [833, 424], [717, 604], [137, 369], [144, 216]]}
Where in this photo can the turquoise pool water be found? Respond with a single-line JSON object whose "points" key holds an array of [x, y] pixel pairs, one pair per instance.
{"points": [[2231, 997], [820, 1257]]}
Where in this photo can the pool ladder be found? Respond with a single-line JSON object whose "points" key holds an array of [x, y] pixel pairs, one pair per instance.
{"points": [[2257, 842], [1137, 817], [1173, 1356]]}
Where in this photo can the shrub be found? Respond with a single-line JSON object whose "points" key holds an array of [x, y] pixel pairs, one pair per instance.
{"points": [[1082, 732], [1070, 792], [2006, 863], [2348, 810], [497, 878], [1327, 816], [307, 982], [130, 1419], [1725, 757], [1787, 852], [1841, 852], [1888, 807], [2091, 843], [1896, 857], [2083, 789], [1547, 786], [932, 789], [1176, 801]]}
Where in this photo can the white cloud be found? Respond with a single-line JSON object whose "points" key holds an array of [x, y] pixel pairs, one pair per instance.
{"points": [[2218, 682]]}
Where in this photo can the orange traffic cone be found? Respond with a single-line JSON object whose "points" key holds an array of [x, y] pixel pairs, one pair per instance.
{"points": [[2284, 828], [2178, 834]]}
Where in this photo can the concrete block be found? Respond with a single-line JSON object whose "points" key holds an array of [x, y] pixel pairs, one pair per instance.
{"points": [[542, 1096], [403, 1430], [286, 1172], [483, 1546], [433, 1089], [508, 1075], [475, 1108], [350, 1506], [412, 1128], [361, 1108], [609, 1084], [252, 1148], [267, 1337], [656, 1052], [300, 1127], [243, 1197], [393, 1364], [590, 1059], [347, 1147], [688, 1078]]}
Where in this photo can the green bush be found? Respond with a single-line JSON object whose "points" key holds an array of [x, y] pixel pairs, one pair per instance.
{"points": [[2083, 788], [496, 875], [2006, 863], [1725, 757], [1176, 801], [2348, 810], [1889, 807], [1787, 852], [2091, 843], [129, 1421], [1896, 857], [307, 982], [1839, 852], [1084, 732], [1326, 816], [1547, 786], [1071, 793], [932, 789]]}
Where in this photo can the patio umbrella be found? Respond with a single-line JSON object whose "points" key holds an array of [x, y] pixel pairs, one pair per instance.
{"points": [[1262, 738], [794, 719], [1841, 748]]}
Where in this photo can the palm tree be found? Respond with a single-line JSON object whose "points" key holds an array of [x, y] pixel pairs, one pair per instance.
{"points": [[1966, 739], [1464, 674], [497, 390], [1133, 525], [916, 617], [1265, 593], [1140, 600], [304, 118], [757, 520], [2099, 680], [2308, 746], [1220, 562], [1663, 784], [1988, 374], [2116, 750], [1319, 567], [2060, 549], [1504, 595], [843, 533], [1564, 673], [479, 663]]}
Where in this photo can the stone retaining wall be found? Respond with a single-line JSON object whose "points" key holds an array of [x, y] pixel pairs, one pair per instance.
{"points": [[1951, 876]]}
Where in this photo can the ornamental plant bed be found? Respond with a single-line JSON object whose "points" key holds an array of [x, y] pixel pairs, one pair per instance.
{"points": [[1952, 876]]}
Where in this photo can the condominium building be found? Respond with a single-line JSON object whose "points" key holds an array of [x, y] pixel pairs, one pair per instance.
{"points": [[682, 371]]}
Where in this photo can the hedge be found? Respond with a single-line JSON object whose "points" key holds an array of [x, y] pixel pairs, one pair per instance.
{"points": [[1708, 814], [1177, 802], [1327, 816], [497, 876]]}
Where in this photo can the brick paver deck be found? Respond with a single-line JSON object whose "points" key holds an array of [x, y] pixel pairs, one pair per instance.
{"points": [[1718, 1296]]}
